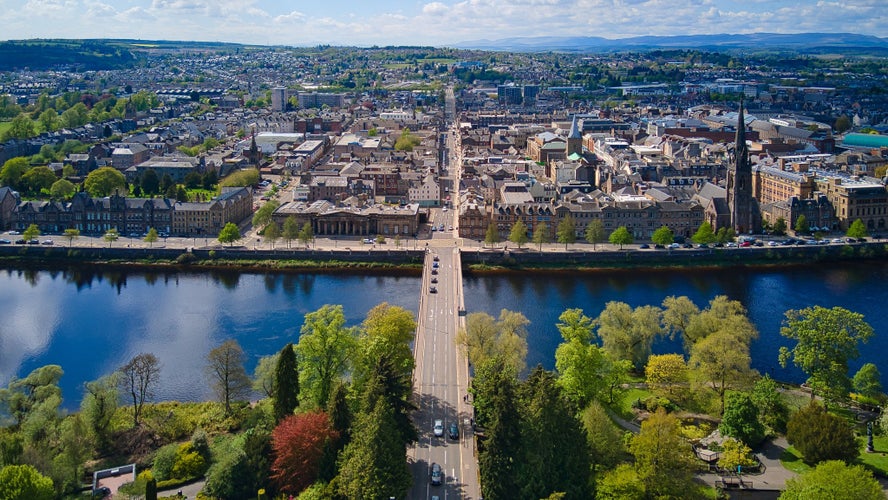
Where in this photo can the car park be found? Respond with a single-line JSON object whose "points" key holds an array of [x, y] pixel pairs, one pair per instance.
{"points": [[438, 428]]}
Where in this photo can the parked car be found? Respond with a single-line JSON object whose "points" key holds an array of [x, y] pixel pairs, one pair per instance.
{"points": [[434, 280], [14, 233], [20, 241], [5, 242], [368, 241], [435, 258], [46, 242], [673, 246], [434, 271], [433, 290], [644, 246]]}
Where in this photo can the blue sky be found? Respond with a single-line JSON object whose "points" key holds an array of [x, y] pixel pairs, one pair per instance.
{"points": [[423, 22]]}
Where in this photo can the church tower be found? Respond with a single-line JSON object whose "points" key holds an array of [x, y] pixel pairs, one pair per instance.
{"points": [[745, 215], [574, 139]]}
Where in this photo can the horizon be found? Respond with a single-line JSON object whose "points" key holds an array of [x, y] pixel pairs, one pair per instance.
{"points": [[436, 23]]}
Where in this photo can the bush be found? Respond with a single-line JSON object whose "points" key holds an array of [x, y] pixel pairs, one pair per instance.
{"points": [[820, 436], [653, 402], [189, 463], [201, 443], [741, 419], [164, 459]]}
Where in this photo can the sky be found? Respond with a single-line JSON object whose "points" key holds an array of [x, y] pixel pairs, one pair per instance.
{"points": [[437, 23]]}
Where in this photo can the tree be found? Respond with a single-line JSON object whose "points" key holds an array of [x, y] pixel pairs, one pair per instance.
{"points": [[677, 314], [150, 182], [779, 227], [621, 236], [406, 141], [262, 217], [541, 234], [821, 436], [264, 375], [372, 465], [38, 390], [606, 447], [868, 381], [741, 419], [38, 179], [387, 331], [290, 230], [735, 455], [720, 362], [825, 340], [151, 237], [21, 127], [496, 410], [518, 234], [725, 234], [621, 483], [491, 237], [138, 378], [229, 234], [667, 374], [20, 482], [225, 367], [801, 225], [13, 170], [595, 232], [299, 442], [71, 234], [485, 337], [566, 232], [704, 235], [663, 459], [286, 383], [32, 231], [771, 406], [306, 235], [663, 236], [578, 360], [111, 236], [857, 230], [98, 407], [326, 350], [835, 480], [62, 189], [103, 182], [49, 120], [272, 233], [166, 182], [843, 124], [628, 334]]}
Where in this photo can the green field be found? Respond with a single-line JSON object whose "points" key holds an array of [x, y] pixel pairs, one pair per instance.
{"points": [[4, 126]]}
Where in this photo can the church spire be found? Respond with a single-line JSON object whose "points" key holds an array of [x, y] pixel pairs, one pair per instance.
{"points": [[741, 152], [574, 129]]}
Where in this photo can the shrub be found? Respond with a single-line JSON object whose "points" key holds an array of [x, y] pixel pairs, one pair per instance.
{"points": [[201, 443], [164, 459], [189, 463], [741, 419], [820, 436]]}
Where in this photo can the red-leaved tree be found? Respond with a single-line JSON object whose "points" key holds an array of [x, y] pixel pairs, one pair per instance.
{"points": [[298, 443]]}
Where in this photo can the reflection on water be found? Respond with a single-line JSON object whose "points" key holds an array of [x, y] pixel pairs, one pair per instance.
{"points": [[90, 320]]}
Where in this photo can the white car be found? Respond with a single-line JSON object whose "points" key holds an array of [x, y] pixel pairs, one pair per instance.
{"points": [[439, 428]]}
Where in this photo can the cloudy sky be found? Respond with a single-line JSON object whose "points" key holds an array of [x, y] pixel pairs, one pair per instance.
{"points": [[441, 22]]}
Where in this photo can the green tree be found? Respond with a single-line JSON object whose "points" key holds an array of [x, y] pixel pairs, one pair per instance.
{"points": [[306, 235], [621, 483], [225, 368], [802, 226], [578, 360], [779, 227], [541, 235], [628, 334], [677, 314], [49, 120], [264, 375], [151, 237], [663, 459], [32, 232], [821, 436], [38, 179], [667, 374], [835, 480], [485, 337], [75, 448], [111, 236], [772, 408], [735, 455], [497, 412], [71, 234], [150, 182], [825, 340], [241, 178], [229, 234], [606, 447], [272, 233], [262, 217], [290, 230], [741, 419], [387, 331], [595, 233], [704, 235], [491, 237], [98, 407], [725, 235], [62, 189], [286, 383], [21, 127], [326, 350], [20, 482], [518, 234], [663, 236], [13, 170], [621, 236], [720, 362], [75, 116], [24, 396], [372, 464], [857, 230], [868, 381], [843, 124], [406, 141], [103, 181], [566, 232]]}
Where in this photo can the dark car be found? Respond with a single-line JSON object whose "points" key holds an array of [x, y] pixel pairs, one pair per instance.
{"points": [[437, 475], [659, 247], [434, 271], [4, 242], [453, 431], [433, 290], [434, 280], [435, 259], [20, 241], [644, 246], [101, 492]]}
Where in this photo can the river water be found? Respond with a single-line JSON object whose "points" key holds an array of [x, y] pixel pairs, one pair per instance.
{"points": [[90, 322]]}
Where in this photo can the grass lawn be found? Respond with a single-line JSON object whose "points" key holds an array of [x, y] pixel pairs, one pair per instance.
{"points": [[792, 460], [4, 126], [623, 406], [877, 461]]}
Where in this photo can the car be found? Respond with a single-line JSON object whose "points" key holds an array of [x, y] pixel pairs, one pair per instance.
{"points": [[46, 242], [837, 240], [444, 209], [746, 244], [14, 233], [861, 240], [434, 229], [659, 247], [731, 244], [437, 475], [368, 241], [435, 265], [33, 241], [453, 431], [20, 241], [4, 242], [644, 246], [433, 290], [687, 245], [434, 271], [673, 245], [438, 428], [434, 280], [435, 258], [101, 492], [702, 245]]}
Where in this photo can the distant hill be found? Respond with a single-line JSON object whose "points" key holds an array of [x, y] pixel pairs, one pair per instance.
{"points": [[801, 42]]}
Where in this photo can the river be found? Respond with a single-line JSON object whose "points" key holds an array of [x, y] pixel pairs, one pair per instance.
{"points": [[90, 322]]}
